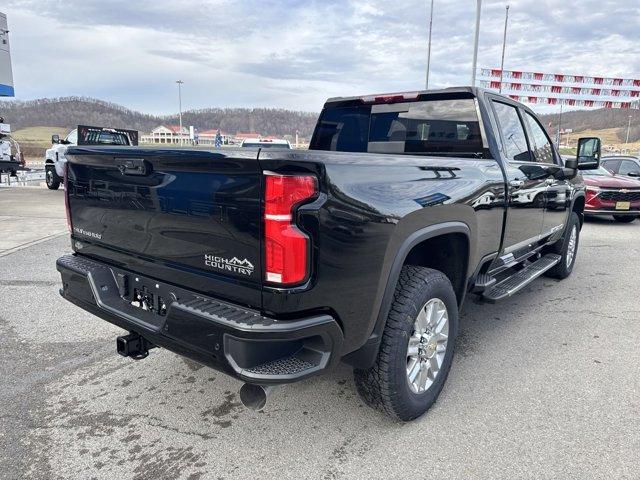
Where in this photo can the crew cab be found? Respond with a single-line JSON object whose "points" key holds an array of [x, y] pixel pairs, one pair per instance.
{"points": [[273, 265], [55, 157]]}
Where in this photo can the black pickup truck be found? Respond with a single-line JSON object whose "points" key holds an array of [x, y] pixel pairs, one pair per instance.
{"points": [[273, 265]]}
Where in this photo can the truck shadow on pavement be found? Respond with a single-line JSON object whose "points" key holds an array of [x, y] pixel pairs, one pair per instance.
{"points": [[154, 413]]}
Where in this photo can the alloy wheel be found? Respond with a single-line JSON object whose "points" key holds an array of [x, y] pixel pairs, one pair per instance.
{"points": [[427, 345]]}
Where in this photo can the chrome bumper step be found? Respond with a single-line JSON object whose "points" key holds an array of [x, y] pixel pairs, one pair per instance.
{"points": [[521, 278]]}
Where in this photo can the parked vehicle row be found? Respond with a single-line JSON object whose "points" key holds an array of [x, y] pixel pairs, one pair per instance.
{"points": [[273, 265]]}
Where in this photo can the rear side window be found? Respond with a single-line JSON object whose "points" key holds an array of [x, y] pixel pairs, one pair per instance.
{"points": [[541, 145], [430, 127], [513, 136], [628, 166]]}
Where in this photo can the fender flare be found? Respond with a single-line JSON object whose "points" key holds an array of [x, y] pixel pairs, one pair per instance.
{"points": [[411, 241], [578, 194], [365, 355]]}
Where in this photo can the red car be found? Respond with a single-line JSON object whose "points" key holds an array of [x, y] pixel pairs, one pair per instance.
{"points": [[609, 194]]}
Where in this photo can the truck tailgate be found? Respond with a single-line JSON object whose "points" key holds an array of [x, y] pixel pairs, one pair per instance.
{"points": [[185, 215]]}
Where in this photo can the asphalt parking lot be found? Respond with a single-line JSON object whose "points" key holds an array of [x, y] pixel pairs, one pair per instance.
{"points": [[544, 385]]}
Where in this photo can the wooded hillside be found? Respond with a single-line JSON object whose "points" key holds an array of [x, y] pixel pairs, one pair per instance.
{"points": [[70, 111]]}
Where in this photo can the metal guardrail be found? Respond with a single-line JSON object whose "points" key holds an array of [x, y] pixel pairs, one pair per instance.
{"points": [[23, 178]]}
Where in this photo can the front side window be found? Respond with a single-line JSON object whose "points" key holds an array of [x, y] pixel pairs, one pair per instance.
{"points": [[541, 145], [73, 137], [513, 136], [611, 165]]}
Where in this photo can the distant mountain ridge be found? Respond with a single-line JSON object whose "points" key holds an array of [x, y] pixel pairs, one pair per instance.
{"points": [[68, 112], [71, 111]]}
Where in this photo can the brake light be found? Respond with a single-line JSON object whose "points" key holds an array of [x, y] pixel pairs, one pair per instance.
{"points": [[391, 98], [286, 247], [66, 196]]}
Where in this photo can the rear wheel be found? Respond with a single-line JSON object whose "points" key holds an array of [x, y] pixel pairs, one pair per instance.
{"points": [[51, 177], [417, 346], [567, 248], [624, 218]]}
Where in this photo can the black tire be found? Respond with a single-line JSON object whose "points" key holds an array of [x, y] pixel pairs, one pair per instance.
{"points": [[51, 177], [564, 268], [385, 386], [624, 218]]}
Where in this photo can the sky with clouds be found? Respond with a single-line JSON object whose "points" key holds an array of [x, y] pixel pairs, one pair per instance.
{"points": [[296, 53]]}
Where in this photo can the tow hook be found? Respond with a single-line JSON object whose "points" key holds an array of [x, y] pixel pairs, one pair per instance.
{"points": [[254, 396], [134, 346]]}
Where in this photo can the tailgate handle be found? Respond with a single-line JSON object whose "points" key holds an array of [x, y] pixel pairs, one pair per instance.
{"points": [[134, 166]]}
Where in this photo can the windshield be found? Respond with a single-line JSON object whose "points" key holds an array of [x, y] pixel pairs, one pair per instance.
{"points": [[597, 172], [432, 127]]}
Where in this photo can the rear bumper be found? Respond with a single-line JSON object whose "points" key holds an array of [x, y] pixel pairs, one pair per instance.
{"points": [[236, 340]]}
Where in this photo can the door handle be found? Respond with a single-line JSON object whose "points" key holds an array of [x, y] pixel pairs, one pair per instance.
{"points": [[515, 184], [134, 166]]}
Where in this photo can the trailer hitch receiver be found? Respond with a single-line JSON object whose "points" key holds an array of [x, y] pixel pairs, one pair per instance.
{"points": [[134, 346]]}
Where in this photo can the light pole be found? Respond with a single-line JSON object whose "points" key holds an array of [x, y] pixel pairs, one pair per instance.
{"points": [[180, 82], [504, 46], [475, 43], [559, 135], [429, 47], [628, 128]]}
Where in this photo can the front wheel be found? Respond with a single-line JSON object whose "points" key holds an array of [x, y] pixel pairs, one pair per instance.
{"points": [[52, 178], [567, 248], [624, 218], [417, 346]]}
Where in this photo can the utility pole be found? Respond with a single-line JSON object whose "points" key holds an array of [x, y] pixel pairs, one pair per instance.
{"points": [[628, 128], [475, 43], [180, 82], [429, 47], [504, 46]]}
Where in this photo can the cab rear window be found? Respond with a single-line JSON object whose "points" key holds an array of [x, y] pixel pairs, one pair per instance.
{"points": [[431, 127], [106, 138]]}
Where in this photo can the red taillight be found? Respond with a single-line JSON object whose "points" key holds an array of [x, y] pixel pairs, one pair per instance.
{"points": [[286, 247], [66, 196]]}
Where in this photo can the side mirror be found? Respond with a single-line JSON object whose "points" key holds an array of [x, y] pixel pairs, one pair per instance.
{"points": [[634, 174], [589, 150], [55, 139]]}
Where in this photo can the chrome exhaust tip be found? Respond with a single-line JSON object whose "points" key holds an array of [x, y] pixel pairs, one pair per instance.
{"points": [[254, 396]]}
